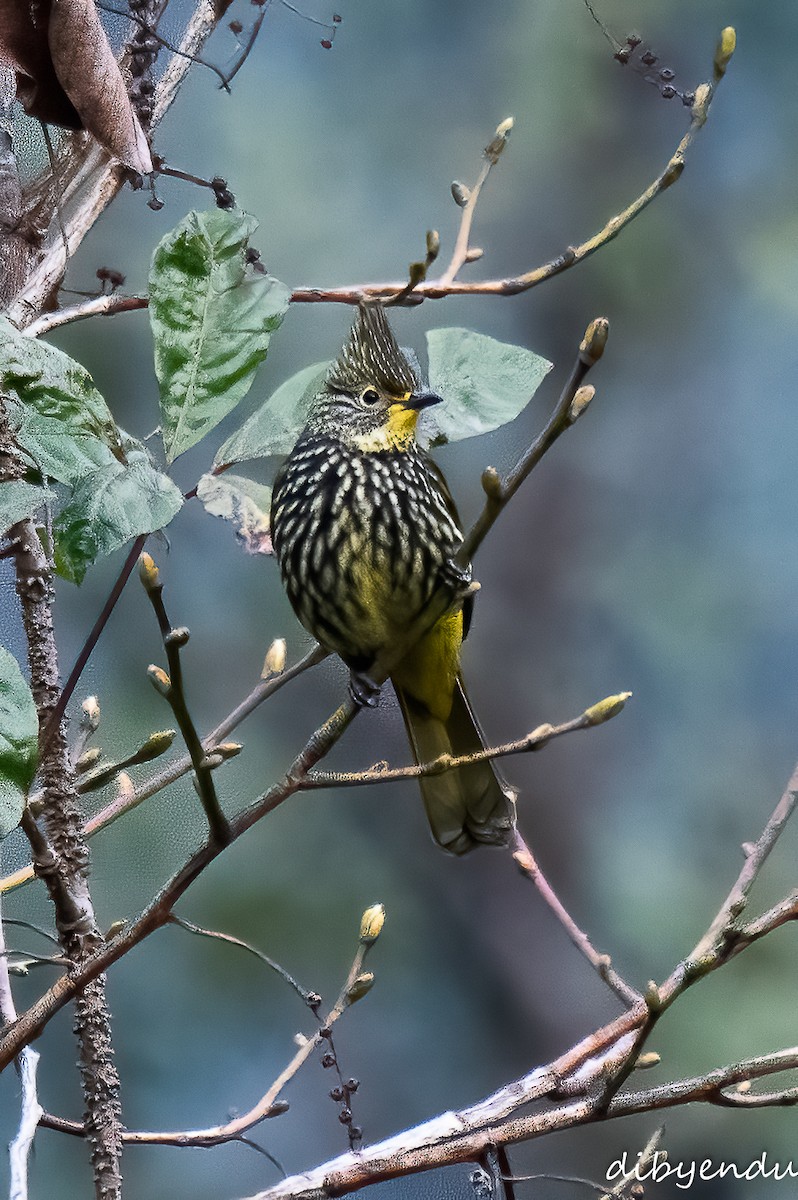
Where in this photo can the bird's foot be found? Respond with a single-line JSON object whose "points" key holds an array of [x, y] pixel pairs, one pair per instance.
{"points": [[363, 690]]}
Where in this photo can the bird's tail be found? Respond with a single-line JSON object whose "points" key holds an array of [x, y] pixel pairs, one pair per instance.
{"points": [[472, 804]]}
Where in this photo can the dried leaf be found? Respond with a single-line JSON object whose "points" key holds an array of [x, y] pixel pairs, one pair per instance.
{"points": [[89, 74], [67, 74]]}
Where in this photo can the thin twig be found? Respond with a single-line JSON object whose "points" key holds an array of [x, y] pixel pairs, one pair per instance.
{"points": [[95, 307], [268, 1105], [172, 689], [157, 912], [602, 963], [94, 636], [535, 740], [181, 766], [491, 155], [31, 1111], [498, 494], [304, 994]]}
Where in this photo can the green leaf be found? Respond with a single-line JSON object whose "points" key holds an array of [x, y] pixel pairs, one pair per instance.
{"points": [[276, 425], [58, 451], [212, 316], [109, 507], [484, 384], [19, 500], [244, 503], [53, 392], [19, 742]]}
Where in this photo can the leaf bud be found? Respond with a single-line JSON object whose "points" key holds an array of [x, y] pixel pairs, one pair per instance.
{"points": [[228, 749], [582, 397], [371, 924], [491, 483], [274, 663], [156, 744], [178, 636], [91, 713], [594, 341], [125, 790], [357, 990], [609, 707], [498, 141], [149, 573], [725, 49], [460, 193], [209, 762], [159, 680], [87, 760], [433, 245]]}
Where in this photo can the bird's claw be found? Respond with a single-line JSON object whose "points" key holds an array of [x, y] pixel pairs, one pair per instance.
{"points": [[363, 690]]}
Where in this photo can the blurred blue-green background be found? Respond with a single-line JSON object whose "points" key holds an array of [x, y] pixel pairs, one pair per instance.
{"points": [[653, 550]]}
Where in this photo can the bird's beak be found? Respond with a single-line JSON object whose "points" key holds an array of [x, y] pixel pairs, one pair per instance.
{"points": [[418, 400]]}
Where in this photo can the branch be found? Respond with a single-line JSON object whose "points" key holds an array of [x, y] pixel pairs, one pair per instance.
{"points": [[90, 180], [61, 858], [107, 183], [463, 1137], [95, 307], [447, 285], [171, 688], [268, 1105], [126, 802], [467, 199], [572, 403], [157, 912], [602, 963], [536, 740]]}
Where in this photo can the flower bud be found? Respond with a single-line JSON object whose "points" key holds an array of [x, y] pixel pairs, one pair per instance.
{"points": [[228, 749], [582, 397], [491, 483], [474, 254], [159, 679], [178, 636], [609, 707], [357, 990], [274, 663], [156, 744], [87, 760], [498, 141], [149, 574], [371, 924], [460, 193], [594, 341], [648, 1060], [91, 713], [725, 49]]}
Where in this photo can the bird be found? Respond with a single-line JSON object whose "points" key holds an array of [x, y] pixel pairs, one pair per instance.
{"points": [[366, 534]]}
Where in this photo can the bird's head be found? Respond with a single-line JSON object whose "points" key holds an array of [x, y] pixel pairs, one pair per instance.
{"points": [[372, 395]]}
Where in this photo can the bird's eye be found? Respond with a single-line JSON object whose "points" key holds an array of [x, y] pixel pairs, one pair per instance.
{"points": [[370, 396]]}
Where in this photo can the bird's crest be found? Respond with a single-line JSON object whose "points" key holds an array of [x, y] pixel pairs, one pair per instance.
{"points": [[371, 355]]}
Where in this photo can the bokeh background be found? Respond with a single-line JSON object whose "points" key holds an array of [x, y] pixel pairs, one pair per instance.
{"points": [[653, 550]]}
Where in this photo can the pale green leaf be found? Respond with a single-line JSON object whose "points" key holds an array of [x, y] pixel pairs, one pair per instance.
{"points": [[109, 507], [19, 740], [212, 316], [242, 502], [484, 384], [19, 500], [42, 382], [276, 425]]}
